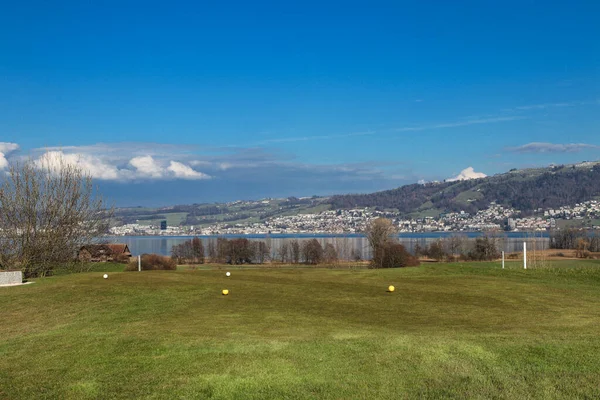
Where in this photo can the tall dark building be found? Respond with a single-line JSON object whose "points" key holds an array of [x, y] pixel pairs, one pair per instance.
{"points": [[163, 225]]}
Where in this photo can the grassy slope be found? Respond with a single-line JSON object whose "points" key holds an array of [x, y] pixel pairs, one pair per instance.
{"points": [[92, 267], [577, 223], [463, 330], [172, 218], [177, 218]]}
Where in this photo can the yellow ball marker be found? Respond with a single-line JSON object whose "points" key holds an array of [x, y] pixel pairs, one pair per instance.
{"points": [[225, 292], [391, 288]]}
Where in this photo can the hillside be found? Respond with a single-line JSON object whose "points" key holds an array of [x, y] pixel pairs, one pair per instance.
{"points": [[525, 190], [237, 212]]}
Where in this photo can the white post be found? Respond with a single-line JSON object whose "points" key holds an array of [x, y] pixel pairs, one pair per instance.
{"points": [[524, 255], [139, 263], [502, 260]]}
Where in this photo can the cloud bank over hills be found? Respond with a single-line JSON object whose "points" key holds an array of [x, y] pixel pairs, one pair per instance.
{"points": [[138, 173], [137, 168], [544, 147], [466, 174]]}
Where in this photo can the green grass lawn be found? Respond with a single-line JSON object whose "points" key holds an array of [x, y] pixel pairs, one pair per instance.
{"points": [[448, 331], [90, 267]]}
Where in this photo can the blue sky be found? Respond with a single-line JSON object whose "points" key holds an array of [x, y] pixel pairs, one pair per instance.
{"points": [[181, 102]]}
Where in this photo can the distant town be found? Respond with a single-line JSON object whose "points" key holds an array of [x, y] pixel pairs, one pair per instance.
{"points": [[495, 217]]}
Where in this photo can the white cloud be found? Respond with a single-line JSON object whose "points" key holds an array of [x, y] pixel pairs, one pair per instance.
{"points": [[197, 163], [543, 147], [544, 106], [5, 149], [127, 150], [473, 121], [466, 174], [107, 166], [224, 166], [95, 167], [3, 161], [185, 172], [146, 166]]}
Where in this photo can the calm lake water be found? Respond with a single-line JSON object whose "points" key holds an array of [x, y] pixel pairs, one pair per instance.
{"points": [[345, 244]]}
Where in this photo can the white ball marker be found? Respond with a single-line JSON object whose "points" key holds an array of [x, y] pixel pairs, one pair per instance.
{"points": [[105, 276], [228, 273]]}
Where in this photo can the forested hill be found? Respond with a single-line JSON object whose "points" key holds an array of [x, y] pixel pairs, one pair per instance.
{"points": [[525, 190]]}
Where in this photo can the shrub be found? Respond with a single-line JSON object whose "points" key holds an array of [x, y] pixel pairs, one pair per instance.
{"points": [[485, 249], [393, 255], [122, 259], [586, 254], [151, 262]]}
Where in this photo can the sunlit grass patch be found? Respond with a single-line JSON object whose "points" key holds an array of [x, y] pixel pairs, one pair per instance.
{"points": [[465, 330]]}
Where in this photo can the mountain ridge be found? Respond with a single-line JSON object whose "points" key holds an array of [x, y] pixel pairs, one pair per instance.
{"points": [[526, 190]]}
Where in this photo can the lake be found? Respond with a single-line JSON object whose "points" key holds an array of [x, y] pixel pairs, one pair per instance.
{"points": [[345, 244]]}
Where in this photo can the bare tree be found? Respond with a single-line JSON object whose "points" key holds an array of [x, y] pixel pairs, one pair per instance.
{"points": [[283, 251], [182, 252], [222, 250], [198, 250], [48, 209], [380, 231], [436, 250], [330, 254], [581, 251], [190, 251], [268, 249], [595, 243], [260, 252], [387, 252], [312, 252], [355, 255], [485, 249], [454, 246], [212, 250], [380, 234], [241, 251], [342, 246], [295, 251]]}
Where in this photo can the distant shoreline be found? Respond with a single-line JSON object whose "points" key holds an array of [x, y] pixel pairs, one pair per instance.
{"points": [[440, 234]]}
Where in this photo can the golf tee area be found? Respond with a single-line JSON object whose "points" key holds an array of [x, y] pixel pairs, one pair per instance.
{"points": [[461, 330]]}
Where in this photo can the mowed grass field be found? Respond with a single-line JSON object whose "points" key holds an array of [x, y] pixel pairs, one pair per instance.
{"points": [[448, 331]]}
